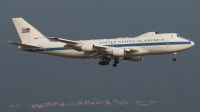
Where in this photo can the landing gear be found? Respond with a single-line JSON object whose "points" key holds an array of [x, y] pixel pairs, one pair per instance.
{"points": [[104, 61], [115, 63], [174, 58]]}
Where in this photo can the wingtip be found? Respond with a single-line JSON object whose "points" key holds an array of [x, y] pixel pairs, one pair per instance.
{"points": [[17, 18]]}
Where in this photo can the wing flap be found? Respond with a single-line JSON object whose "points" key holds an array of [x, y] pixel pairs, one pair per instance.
{"points": [[98, 55], [94, 54], [101, 48]]}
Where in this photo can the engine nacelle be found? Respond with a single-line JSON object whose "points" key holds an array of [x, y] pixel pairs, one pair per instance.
{"points": [[134, 58], [87, 47], [118, 52]]}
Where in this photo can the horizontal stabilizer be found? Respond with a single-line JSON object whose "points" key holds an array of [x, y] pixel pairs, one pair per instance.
{"points": [[22, 45]]}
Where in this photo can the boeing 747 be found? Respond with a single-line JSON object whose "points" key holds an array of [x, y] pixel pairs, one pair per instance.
{"points": [[128, 48]]}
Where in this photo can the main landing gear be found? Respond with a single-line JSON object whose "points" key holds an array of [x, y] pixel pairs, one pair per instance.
{"points": [[174, 58], [115, 63], [106, 61]]}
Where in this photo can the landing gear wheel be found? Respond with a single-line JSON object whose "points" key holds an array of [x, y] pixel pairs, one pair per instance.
{"points": [[173, 59], [104, 61], [116, 62], [114, 65]]}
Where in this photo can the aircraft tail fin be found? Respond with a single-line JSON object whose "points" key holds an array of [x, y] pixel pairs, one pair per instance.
{"points": [[27, 33]]}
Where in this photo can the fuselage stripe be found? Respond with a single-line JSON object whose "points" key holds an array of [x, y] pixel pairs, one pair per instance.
{"points": [[116, 45]]}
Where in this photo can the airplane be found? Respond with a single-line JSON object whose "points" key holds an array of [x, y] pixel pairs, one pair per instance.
{"points": [[123, 48]]}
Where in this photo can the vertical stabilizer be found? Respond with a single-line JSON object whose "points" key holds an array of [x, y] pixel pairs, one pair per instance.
{"points": [[27, 33]]}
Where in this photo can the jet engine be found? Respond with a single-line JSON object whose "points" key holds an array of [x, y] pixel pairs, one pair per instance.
{"points": [[87, 47], [118, 52], [134, 58]]}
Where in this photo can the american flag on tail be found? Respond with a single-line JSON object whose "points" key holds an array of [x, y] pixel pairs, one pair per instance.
{"points": [[25, 30]]}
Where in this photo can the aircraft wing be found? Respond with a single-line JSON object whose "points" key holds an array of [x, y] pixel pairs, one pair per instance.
{"points": [[22, 45], [100, 49], [71, 42], [75, 43]]}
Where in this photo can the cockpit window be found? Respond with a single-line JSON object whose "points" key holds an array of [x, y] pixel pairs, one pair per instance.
{"points": [[179, 35]]}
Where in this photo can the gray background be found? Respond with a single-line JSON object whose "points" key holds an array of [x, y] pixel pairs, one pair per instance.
{"points": [[27, 78]]}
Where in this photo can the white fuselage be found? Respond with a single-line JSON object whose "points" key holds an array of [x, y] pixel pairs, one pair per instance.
{"points": [[147, 44]]}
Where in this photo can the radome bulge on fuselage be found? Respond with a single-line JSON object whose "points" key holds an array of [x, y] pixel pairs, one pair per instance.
{"points": [[128, 48]]}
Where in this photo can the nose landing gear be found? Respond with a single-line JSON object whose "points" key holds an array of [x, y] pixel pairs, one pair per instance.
{"points": [[174, 58]]}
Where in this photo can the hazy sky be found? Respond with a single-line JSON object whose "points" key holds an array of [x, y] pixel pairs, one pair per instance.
{"points": [[33, 78]]}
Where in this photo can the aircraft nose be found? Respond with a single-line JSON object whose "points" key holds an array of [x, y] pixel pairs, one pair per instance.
{"points": [[192, 43]]}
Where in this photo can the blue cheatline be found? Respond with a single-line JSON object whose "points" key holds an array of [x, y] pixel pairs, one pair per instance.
{"points": [[115, 45]]}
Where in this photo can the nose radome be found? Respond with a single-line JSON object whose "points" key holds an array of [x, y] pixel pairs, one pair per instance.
{"points": [[192, 43]]}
